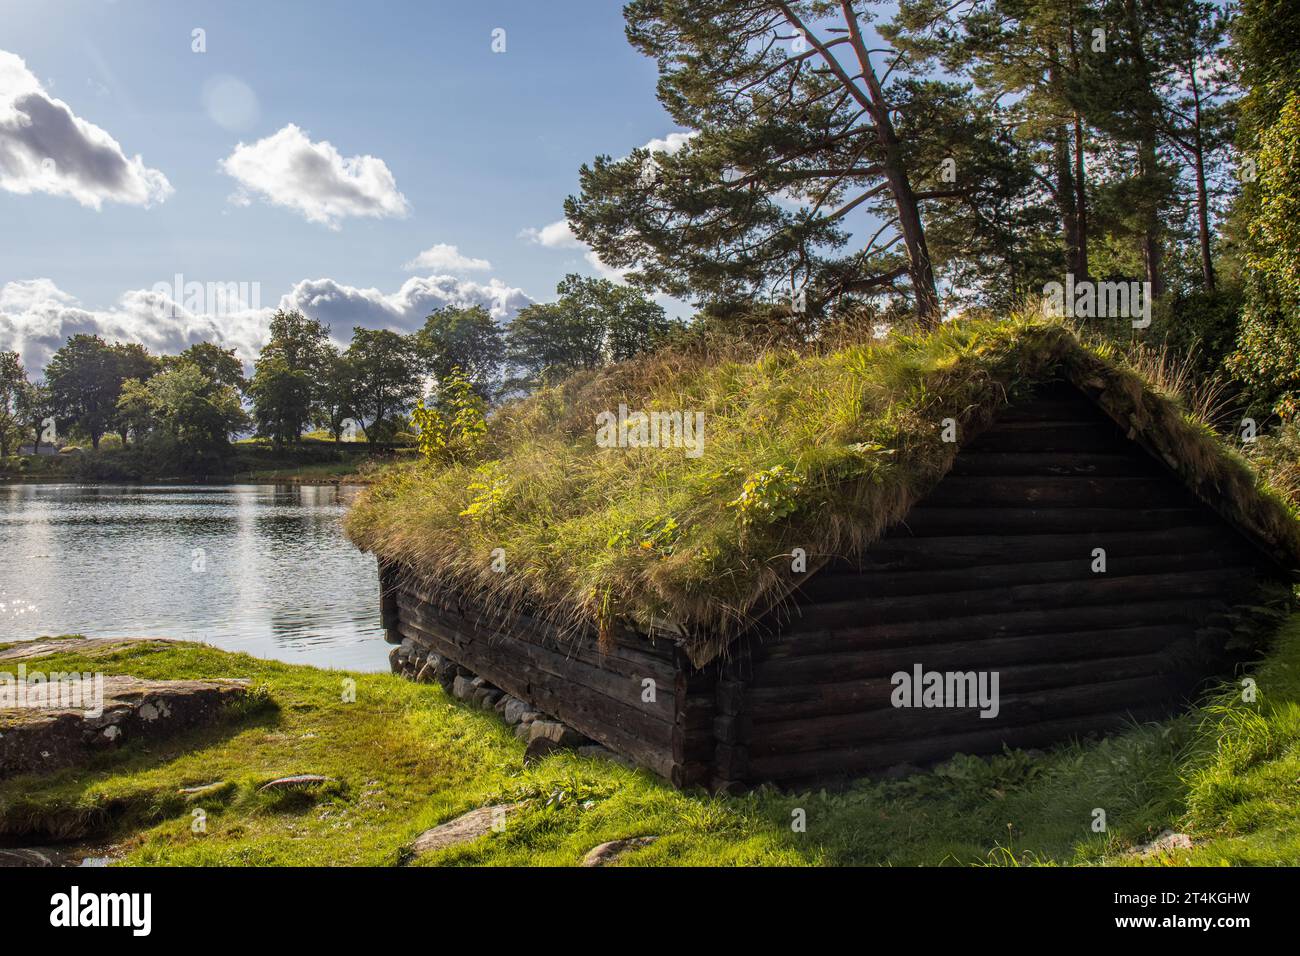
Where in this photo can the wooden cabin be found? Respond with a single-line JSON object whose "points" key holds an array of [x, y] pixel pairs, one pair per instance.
{"points": [[998, 569]]}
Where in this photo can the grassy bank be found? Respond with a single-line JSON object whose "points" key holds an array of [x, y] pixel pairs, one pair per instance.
{"points": [[314, 461], [405, 757]]}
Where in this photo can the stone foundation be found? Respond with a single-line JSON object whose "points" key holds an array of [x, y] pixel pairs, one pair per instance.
{"points": [[541, 732]]}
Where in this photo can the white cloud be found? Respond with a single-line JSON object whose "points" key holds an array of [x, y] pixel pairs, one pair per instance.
{"points": [[314, 179], [559, 234], [37, 317], [343, 306], [447, 258], [670, 143], [46, 148]]}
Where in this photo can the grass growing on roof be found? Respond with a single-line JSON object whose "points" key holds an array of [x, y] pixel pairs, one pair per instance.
{"points": [[820, 451], [406, 757]]}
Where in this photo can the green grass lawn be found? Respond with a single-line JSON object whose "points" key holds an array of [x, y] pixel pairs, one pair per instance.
{"points": [[407, 757]]}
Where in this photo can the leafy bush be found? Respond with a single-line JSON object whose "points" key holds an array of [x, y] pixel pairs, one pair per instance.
{"points": [[454, 428]]}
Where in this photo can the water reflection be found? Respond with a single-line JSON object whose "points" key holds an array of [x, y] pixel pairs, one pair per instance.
{"points": [[257, 568]]}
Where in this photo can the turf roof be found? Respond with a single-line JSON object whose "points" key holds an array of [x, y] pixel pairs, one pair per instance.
{"points": [[815, 451]]}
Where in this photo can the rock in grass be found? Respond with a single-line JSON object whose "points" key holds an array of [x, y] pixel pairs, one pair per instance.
{"points": [[203, 790], [302, 781], [1166, 842], [54, 724], [27, 857], [463, 829], [607, 853]]}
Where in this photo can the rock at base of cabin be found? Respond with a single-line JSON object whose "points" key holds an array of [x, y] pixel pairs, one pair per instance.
{"points": [[546, 736], [463, 829], [607, 853], [446, 673], [513, 709], [487, 697], [428, 672], [462, 689], [541, 733], [56, 724], [404, 659], [556, 732]]}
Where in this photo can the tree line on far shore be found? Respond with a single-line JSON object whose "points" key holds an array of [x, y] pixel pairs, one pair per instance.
{"points": [[188, 406]]}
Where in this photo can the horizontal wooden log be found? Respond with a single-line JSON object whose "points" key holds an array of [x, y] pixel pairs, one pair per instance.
{"points": [[564, 670], [1065, 464], [1020, 648], [1050, 436], [924, 520], [841, 586], [900, 550], [853, 761], [625, 662], [634, 649], [904, 723], [1098, 589], [792, 677], [1060, 408], [1000, 491], [878, 721], [1197, 611]]}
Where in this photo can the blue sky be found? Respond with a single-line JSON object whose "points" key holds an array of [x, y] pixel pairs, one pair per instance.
{"points": [[481, 146]]}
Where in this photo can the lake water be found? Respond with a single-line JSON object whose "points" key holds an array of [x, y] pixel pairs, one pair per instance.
{"points": [[259, 568]]}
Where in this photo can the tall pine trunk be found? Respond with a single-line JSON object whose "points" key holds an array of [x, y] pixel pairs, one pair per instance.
{"points": [[919, 268], [1202, 192], [1065, 197], [1081, 199]]}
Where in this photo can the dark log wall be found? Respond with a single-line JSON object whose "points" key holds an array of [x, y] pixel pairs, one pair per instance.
{"points": [[598, 691], [992, 571]]}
